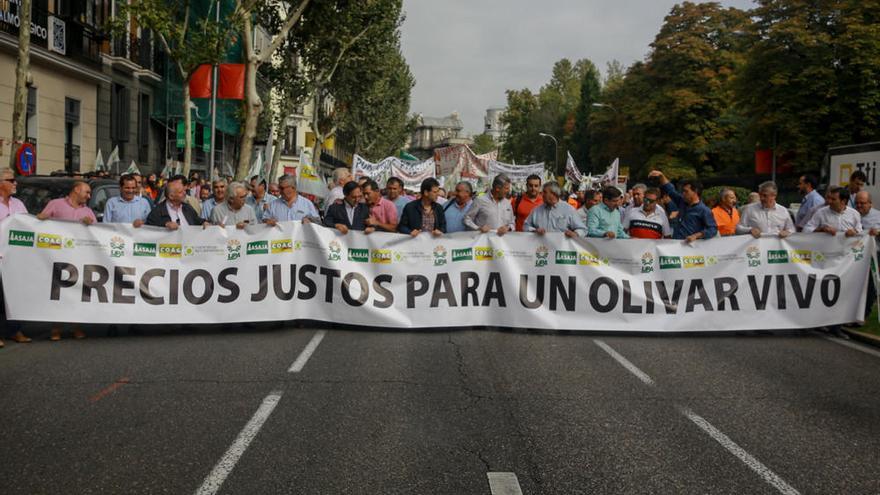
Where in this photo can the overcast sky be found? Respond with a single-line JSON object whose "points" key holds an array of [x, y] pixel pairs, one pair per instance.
{"points": [[466, 53]]}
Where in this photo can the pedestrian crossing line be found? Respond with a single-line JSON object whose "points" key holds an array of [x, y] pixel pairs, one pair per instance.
{"points": [[641, 375], [504, 484], [227, 463], [304, 356]]}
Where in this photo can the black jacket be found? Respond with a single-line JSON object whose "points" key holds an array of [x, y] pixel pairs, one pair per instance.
{"points": [[336, 214], [159, 216], [411, 217]]}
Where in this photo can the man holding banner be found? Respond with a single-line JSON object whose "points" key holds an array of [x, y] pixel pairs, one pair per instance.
{"points": [[553, 215], [424, 214], [290, 206], [695, 219], [492, 211], [174, 211], [604, 220], [765, 216], [458, 207], [837, 216], [351, 213]]}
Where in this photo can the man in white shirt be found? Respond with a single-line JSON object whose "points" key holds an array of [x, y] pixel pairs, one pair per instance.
{"points": [[837, 216], [492, 211], [870, 216], [765, 216], [341, 177]]}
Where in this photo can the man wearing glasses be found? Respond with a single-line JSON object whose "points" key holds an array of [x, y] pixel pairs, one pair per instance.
{"points": [[648, 221], [9, 206]]}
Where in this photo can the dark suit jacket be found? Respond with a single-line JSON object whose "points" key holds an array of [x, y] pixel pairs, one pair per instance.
{"points": [[159, 216], [336, 214], [411, 217]]}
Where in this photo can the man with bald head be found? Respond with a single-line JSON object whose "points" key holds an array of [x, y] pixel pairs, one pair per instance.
{"points": [[871, 224], [9, 206], [74, 206], [174, 211]]}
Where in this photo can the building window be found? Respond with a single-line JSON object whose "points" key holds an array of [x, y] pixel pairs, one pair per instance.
{"points": [[289, 147], [120, 110], [143, 128], [72, 135]]}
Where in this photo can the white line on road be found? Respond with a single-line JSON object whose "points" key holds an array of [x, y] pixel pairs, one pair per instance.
{"points": [[756, 465], [304, 356], [218, 475], [641, 375], [504, 484], [853, 345]]}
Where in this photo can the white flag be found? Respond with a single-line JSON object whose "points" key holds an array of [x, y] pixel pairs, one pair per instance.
{"points": [[572, 172], [113, 159], [132, 169], [167, 169], [610, 175], [99, 161], [257, 167]]}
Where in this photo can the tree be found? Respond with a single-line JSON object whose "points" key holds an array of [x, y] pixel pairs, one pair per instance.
{"points": [[22, 69], [522, 144], [187, 41], [590, 92], [483, 143]]}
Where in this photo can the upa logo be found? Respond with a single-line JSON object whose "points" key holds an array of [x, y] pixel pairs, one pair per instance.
{"points": [[647, 263], [484, 253], [670, 262], [144, 249], [858, 250], [359, 255], [542, 255], [257, 247], [439, 255], [566, 257], [49, 241], [170, 250], [465, 254], [381, 256], [282, 246], [335, 253], [117, 246], [694, 261], [233, 249], [803, 256], [753, 256], [21, 238], [777, 256]]}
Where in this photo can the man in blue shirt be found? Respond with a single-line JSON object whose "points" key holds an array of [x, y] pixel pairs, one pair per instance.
{"points": [[457, 209], [219, 186], [695, 218], [128, 207], [290, 206], [603, 220], [807, 185]]}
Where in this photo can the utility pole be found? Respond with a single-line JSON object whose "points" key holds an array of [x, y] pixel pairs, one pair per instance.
{"points": [[213, 109]]}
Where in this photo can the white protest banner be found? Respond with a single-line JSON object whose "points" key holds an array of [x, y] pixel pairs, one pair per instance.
{"points": [[379, 172], [572, 172], [413, 173], [516, 173], [610, 175], [309, 180], [454, 162], [115, 273]]}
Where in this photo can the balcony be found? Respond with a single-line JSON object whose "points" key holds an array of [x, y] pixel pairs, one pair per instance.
{"points": [[138, 51]]}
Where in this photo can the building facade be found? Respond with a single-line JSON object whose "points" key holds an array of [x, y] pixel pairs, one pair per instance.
{"points": [[436, 132], [493, 125]]}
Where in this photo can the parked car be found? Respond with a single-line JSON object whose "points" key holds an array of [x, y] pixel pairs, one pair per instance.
{"points": [[36, 191]]}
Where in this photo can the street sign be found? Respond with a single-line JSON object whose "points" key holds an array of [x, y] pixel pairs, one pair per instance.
{"points": [[26, 159]]}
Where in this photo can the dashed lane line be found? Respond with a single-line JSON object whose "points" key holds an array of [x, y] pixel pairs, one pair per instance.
{"points": [[641, 375], [504, 484], [304, 356]]}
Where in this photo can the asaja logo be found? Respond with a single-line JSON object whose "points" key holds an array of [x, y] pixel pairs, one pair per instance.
{"points": [[170, 250], [465, 254], [777, 256], [586, 258], [694, 261], [803, 256], [382, 256], [49, 241], [484, 253], [144, 249], [647, 263], [439, 256], [257, 247], [669, 262], [233, 249], [359, 255], [858, 250], [21, 238], [566, 257], [282, 246], [541, 255], [117, 246], [335, 251], [753, 255]]}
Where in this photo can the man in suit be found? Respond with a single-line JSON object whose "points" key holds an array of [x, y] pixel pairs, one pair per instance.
{"points": [[425, 214], [351, 213], [174, 211]]}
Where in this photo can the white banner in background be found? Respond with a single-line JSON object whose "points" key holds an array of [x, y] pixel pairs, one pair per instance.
{"points": [[516, 173], [67, 272], [411, 173]]}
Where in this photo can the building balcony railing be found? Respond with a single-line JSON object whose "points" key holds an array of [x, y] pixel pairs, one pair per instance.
{"points": [[137, 50]]}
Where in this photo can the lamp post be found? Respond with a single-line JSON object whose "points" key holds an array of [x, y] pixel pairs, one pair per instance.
{"points": [[605, 105], [555, 148]]}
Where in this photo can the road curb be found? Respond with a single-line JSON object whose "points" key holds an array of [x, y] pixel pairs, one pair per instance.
{"points": [[864, 337]]}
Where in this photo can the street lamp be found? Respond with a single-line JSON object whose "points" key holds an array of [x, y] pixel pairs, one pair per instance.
{"points": [[555, 148], [605, 105]]}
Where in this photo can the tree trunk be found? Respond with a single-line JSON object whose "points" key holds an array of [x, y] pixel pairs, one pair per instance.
{"points": [[187, 130], [319, 138], [253, 104], [22, 67]]}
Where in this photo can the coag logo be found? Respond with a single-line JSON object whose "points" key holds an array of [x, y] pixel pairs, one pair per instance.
{"points": [[170, 250], [144, 249], [484, 253], [117, 247], [541, 255], [465, 254], [776, 257], [803, 256], [257, 247], [359, 255], [670, 262], [694, 261], [439, 256], [566, 257], [588, 259], [382, 256], [21, 238], [282, 246], [49, 241], [233, 249]]}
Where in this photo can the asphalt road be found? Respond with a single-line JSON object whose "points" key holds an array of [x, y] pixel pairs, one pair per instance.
{"points": [[218, 411]]}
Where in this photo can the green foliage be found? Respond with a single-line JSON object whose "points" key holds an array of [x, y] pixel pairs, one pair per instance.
{"points": [[590, 93], [483, 143], [711, 195]]}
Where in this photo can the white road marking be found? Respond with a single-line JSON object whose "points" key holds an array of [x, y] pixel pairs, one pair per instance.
{"points": [[504, 484], [304, 356], [641, 375], [218, 475], [853, 345], [756, 465]]}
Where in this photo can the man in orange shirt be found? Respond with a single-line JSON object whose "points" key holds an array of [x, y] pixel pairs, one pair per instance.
{"points": [[527, 201], [726, 214]]}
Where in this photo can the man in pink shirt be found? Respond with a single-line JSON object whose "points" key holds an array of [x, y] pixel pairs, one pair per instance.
{"points": [[383, 213], [9, 206], [75, 206]]}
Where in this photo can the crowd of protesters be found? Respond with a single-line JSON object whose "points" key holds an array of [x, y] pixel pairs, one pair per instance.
{"points": [[655, 210]]}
